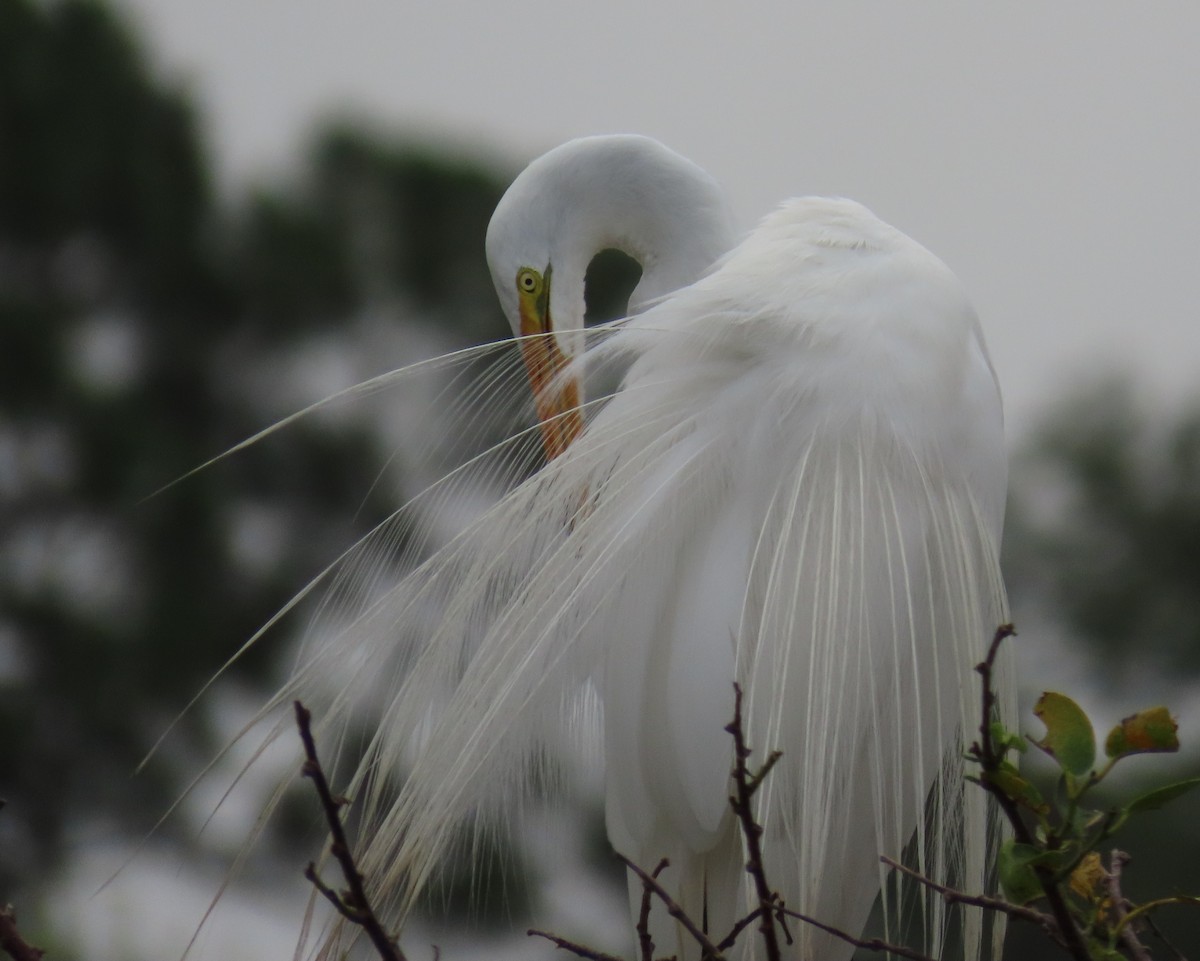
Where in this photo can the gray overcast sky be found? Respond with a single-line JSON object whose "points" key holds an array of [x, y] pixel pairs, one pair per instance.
{"points": [[1047, 152]]}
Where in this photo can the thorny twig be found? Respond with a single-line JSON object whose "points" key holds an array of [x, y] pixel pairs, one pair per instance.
{"points": [[353, 903]]}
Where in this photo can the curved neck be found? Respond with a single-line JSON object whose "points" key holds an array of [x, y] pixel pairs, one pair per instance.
{"points": [[625, 192]]}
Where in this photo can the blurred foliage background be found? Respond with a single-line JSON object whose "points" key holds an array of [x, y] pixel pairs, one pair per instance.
{"points": [[147, 325]]}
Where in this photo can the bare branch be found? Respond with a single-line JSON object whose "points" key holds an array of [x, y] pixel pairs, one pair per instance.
{"points": [[353, 904], [731, 937], [11, 942], [1149, 922], [984, 750], [1120, 908], [870, 944], [579, 950], [708, 950], [645, 942], [323, 889], [745, 784], [1018, 911]]}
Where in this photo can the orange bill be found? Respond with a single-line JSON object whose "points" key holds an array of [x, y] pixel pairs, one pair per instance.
{"points": [[555, 394]]}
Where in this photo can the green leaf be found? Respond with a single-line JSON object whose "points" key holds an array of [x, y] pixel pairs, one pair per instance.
{"points": [[1005, 739], [1147, 732], [1155, 799], [1069, 739], [1016, 787], [1018, 880]]}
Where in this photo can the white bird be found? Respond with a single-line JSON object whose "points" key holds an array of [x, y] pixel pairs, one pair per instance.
{"points": [[798, 485]]}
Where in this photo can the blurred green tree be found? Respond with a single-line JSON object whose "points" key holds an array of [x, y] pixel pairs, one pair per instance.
{"points": [[1103, 546], [141, 328], [1106, 528]]}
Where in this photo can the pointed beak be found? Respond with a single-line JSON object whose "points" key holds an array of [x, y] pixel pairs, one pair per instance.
{"points": [[556, 393]]}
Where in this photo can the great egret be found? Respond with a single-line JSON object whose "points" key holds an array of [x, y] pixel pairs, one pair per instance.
{"points": [[799, 485]]}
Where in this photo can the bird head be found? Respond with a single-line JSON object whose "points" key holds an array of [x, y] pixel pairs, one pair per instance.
{"points": [[623, 191]]}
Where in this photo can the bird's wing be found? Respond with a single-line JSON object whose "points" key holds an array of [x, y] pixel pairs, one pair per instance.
{"points": [[812, 508], [834, 511]]}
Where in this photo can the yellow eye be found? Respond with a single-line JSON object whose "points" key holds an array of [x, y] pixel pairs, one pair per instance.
{"points": [[528, 281]]}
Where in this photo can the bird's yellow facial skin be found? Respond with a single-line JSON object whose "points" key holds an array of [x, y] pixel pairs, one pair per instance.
{"points": [[533, 298], [555, 394]]}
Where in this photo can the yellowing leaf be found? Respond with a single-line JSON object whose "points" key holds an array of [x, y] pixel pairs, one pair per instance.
{"points": [[1147, 732], [1069, 739], [1087, 880]]}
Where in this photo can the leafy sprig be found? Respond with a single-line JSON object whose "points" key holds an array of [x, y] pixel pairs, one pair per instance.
{"points": [[1053, 858]]}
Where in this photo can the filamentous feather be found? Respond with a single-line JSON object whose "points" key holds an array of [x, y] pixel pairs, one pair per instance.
{"points": [[798, 485]]}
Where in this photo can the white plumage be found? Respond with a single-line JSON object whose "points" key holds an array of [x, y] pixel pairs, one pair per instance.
{"points": [[799, 484]]}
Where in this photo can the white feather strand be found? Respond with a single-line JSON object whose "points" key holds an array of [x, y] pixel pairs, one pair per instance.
{"points": [[798, 486]]}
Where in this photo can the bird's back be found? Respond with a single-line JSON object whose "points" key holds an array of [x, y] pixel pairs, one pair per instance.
{"points": [[798, 486], [810, 492]]}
